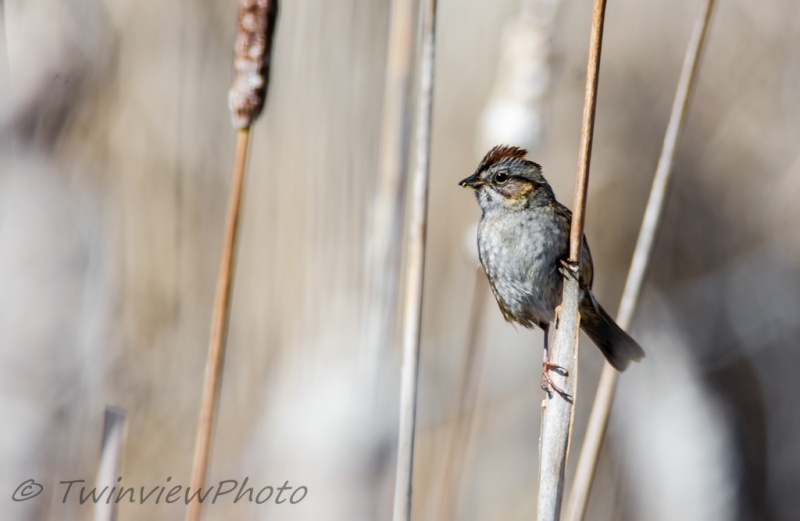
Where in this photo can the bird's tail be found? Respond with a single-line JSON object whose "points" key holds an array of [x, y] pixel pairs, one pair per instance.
{"points": [[617, 346]]}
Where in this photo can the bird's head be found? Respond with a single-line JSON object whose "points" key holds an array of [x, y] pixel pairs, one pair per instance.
{"points": [[506, 180]]}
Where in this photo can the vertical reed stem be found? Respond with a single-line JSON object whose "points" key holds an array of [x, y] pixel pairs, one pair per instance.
{"points": [[558, 410], [386, 231], [219, 325], [601, 409], [112, 449], [255, 28], [415, 272]]}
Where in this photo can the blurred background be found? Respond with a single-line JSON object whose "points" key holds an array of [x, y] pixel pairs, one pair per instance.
{"points": [[115, 156]]}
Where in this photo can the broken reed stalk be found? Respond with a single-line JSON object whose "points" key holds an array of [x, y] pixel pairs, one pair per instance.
{"points": [[112, 448], [415, 271], [251, 66], [598, 420], [386, 230], [557, 409]]}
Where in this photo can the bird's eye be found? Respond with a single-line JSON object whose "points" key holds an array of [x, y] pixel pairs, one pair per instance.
{"points": [[501, 177]]}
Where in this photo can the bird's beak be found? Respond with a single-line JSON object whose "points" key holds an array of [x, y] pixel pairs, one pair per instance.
{"points": [[474, 181]]}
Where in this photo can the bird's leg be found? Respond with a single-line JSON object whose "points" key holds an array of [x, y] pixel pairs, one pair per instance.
{"points": [[547, 381]]}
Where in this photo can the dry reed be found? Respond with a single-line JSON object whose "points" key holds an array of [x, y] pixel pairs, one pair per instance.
{"points": [[112, 449], [557, 409], [385, 235], [601, 409], [415, 270], [255, 28]]}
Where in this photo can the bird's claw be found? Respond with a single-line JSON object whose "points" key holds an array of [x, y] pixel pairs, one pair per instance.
{"points": [[569, 268], [548, 385]]}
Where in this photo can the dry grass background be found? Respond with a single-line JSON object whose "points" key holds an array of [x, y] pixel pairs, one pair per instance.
{"points": [[114, 156]]}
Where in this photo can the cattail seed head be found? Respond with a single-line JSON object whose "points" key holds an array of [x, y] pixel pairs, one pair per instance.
{"points": [[254, 29]]}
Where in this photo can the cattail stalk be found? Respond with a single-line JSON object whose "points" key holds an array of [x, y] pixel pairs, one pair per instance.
{"points": [[112, 449], [415, 271], [601, 409], [386, 229], [557, 408], [251, 67]]}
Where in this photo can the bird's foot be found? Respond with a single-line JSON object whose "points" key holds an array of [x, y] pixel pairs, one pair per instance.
{"points": [[569, 268], [548, 385]]}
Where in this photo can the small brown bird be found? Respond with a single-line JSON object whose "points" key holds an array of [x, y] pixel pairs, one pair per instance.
{"points": [[523, 242]]}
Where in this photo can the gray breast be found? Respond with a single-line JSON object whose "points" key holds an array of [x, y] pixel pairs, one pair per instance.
{"points": [[520, 252]]}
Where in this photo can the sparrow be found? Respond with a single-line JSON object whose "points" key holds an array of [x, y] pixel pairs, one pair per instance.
{"points": [[523, 246]]}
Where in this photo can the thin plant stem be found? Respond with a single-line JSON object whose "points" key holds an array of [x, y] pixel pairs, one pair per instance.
{"points": [[601, 409], [415, 272], [219, 325], [558, 409], [386, 229], [255, 28], [112, 449]]}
